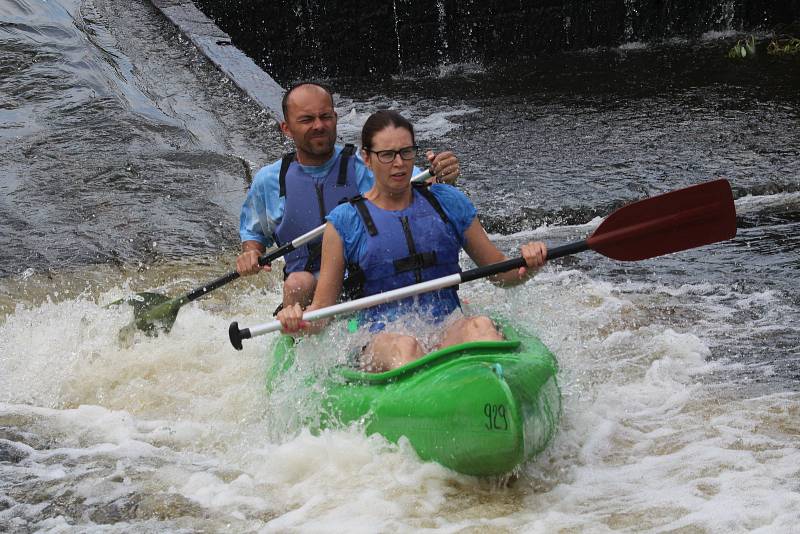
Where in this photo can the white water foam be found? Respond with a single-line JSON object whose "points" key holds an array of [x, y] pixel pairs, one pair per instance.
{"points": [[633, 45], [717, 35], [755, 203], [647, 441], [464, 68], [553, 232], [432, 121]]}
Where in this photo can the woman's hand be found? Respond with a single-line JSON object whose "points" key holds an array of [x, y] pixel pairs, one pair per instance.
{"points": [[535, 254], [444, 166], [291, 318]]}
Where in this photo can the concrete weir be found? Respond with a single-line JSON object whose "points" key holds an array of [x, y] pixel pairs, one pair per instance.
{"points": [[217, 46]]}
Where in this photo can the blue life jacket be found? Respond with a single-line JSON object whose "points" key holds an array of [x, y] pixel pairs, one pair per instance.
{"points": [[405, 247], [301, 214]]}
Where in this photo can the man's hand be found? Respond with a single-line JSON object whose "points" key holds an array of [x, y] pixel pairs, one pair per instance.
{"points": [[444, 166], [247, 262]]}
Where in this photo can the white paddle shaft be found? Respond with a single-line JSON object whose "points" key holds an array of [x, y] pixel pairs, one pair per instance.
{"points": [[365, 302]]}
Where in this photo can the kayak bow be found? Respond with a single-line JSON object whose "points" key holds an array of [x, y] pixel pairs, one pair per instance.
{"points": [[480, 408]]}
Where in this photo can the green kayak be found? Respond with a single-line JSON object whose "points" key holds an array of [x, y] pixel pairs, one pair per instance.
{"points": [[480, 408]]}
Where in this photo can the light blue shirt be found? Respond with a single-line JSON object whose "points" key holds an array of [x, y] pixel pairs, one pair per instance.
{"points": [[348, 223], [263, 208]]}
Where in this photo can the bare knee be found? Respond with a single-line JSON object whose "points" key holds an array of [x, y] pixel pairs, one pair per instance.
{"points": [[389, 350], [480, 328], [476, 328], [407, 348], [298, 288]]}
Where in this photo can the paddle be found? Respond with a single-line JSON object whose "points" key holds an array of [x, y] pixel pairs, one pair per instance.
{"points": [[153, 312], [680, 220]]}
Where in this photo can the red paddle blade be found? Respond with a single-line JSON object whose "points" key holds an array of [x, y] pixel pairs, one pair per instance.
{"points": [[680, 220]]}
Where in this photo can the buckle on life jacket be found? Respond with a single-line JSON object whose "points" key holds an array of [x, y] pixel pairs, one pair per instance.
{"points": [[413, 262]]}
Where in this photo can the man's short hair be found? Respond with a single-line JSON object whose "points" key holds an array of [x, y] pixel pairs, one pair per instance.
{"points": [[285, 100]]}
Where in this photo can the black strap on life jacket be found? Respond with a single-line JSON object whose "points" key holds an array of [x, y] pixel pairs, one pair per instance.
{"points": [[358, 202], [285, 162], [321, 202], [353, 286], [423, 189], [314, 253], [347, 153]]}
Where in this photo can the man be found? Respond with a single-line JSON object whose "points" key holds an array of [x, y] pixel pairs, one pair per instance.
{"points": [[292, 195]]}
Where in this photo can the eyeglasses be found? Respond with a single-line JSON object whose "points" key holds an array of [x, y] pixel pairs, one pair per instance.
{"points": [[387, 156]]}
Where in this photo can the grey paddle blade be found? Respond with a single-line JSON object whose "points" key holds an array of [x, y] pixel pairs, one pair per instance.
{"points": [[152, 312]]}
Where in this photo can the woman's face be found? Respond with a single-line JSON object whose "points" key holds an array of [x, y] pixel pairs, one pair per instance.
{"points": [[395, 176]]}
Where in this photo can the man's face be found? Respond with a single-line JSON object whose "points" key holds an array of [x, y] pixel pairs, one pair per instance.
{"points": [[311, 122]]}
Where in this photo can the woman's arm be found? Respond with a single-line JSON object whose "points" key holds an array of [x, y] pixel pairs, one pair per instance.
{"points": [[484, 252], [331, 271], [329, 286]]}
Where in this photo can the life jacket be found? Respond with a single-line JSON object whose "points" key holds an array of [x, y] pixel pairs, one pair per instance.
{"points": [[405, 247], [301, 214]]}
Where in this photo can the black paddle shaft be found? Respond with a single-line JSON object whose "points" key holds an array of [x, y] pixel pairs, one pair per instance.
{"points": [[230, 277], [516, 263]]}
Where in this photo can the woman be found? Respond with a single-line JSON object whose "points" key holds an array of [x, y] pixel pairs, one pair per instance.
{"points": [[396, 235]]}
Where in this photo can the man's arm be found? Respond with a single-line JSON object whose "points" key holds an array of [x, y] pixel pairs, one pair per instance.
{"points": [[260, 212]]}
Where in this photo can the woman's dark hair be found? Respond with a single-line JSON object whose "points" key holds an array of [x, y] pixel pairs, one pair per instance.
{"points": [[380, 120]]}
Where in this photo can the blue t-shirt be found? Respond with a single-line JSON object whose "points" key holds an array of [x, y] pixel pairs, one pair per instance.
{"points": [[263, 207], [348, 223]]}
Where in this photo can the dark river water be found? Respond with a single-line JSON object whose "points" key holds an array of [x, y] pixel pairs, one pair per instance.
{"points": [[124, 159]]}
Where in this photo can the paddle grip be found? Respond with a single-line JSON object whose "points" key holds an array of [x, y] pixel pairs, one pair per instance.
{"points": [[236, 336]]}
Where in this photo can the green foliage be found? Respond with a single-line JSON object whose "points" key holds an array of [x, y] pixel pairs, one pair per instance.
{"points": [[782, 47], [743, 48], [746, 48]]}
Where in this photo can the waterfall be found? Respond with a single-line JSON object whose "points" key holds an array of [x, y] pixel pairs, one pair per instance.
{"points": [[727, 14], [631, 14], [442, 50], [338, 38], [397, 37], [315, 64]]}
